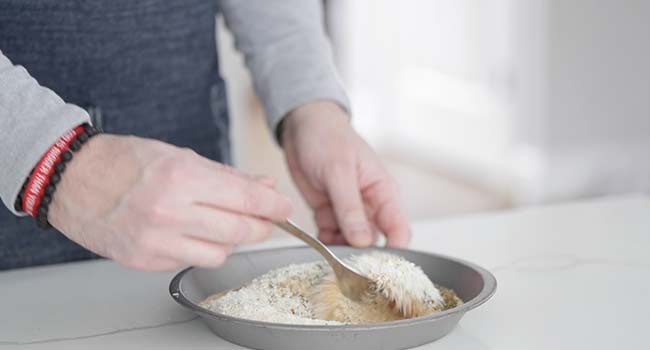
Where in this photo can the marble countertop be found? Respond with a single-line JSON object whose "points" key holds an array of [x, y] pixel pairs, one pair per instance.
{"points": [[571, 276]]}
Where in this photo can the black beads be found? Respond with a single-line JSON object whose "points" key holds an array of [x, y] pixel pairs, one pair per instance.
{"points": [[55, 178], [75, 145], [49, 189], [66, 156], [41, 216], [42, 210], [41, 222], [59, 167], [18, 204], [82, 137], [46, 200]]}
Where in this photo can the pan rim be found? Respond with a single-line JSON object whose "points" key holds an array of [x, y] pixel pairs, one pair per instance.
{"points": [[488, 290]]}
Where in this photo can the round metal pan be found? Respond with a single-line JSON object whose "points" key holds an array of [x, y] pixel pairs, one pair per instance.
{"points": [[472, 283]]}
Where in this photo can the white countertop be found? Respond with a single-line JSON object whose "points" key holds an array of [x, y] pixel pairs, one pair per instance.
{"points": [[571, 276]]}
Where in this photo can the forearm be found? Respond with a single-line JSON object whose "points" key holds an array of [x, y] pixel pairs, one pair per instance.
{"points": [[287, 51], [32, 118]]}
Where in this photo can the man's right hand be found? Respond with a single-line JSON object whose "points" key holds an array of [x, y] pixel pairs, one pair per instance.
{"points": [[153, 206]]}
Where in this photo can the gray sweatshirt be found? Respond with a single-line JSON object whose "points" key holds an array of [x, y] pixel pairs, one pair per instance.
{"points": [[285, 48]]}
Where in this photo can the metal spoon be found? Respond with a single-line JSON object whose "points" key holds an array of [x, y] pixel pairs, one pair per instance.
{"points": [[353, 284]]}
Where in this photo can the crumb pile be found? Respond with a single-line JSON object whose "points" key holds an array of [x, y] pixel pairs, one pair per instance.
{"points": [[307, 294], [279, 296], [402, 290]]}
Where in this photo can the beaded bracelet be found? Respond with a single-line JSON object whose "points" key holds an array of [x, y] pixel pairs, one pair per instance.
{"points": [[36, 194]]}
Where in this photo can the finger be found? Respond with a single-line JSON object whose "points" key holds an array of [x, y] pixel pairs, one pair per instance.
{"points": [[224, 227], [325, 218], [393, 223], [161, 264], [194, 252], [389, 216], [339, 239], [329, 232], [345, 196], [326, 236], [237, 193]]}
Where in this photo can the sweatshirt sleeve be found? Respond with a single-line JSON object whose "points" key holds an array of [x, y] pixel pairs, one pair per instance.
{"points": [[287, 51], [32, 118]]}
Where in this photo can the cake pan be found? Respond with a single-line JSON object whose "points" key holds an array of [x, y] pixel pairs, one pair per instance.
{"points": [[472, 283]]}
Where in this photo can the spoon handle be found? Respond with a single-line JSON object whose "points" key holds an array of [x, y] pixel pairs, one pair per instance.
{"points": [[293, 229]]}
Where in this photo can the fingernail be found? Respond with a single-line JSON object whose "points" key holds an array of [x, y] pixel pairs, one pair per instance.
{"points": [[360, 236]]}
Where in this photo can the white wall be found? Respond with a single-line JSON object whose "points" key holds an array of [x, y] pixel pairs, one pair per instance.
{"points": [[593, 134], [541, 99], [431, 80]]}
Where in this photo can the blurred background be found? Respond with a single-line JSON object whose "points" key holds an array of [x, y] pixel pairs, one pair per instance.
{"points": [[480, 105]]}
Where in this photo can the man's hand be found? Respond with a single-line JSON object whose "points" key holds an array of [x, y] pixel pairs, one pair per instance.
{"points": [[153, 206], [341, 178]]}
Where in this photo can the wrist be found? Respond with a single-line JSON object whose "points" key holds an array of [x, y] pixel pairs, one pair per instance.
{"points": [[310, 115], [89, 162], [106, 165]]}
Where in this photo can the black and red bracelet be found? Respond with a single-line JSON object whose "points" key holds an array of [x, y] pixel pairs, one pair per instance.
{"points": [[36, 194]]}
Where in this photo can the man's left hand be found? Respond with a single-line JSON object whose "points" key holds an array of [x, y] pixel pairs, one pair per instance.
{"points": [[342, 179]]}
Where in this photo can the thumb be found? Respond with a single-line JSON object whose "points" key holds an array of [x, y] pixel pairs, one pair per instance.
{"points": [[345, 197]]}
